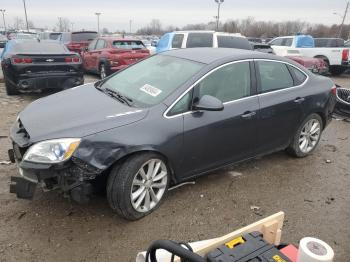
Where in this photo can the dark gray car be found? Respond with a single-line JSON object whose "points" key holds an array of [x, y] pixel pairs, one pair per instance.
{"points": [[167, 119]]}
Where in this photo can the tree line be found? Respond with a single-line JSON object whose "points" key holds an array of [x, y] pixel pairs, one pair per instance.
{"points": [[252, 28]]}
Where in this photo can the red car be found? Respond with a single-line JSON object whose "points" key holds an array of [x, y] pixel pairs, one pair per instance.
{"points": [[106, 55], [77, 41], [315, 65]]}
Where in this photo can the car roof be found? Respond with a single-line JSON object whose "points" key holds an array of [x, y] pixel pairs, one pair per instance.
{"points": [[112, 38], [209, 55]]}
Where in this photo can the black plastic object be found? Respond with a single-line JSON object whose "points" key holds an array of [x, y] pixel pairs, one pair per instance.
{"points": [[343, 102], [174, 248], [22, 187], [254, 249]]}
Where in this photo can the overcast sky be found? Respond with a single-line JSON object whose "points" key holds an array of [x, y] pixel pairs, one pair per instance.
{"points": [[116, 13]]}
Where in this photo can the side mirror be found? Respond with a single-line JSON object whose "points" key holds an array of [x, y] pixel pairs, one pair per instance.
{"points": [[209, 103], [85, 49]]}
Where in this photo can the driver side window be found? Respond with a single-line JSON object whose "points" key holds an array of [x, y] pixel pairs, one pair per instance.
{"points": [[92, 45], [228, 83]]}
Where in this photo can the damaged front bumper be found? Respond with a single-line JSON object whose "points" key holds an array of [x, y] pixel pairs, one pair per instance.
{"points": [[72, 178]]}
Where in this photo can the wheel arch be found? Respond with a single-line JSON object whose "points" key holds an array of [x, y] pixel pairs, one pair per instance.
{"points": [[122, 158]]}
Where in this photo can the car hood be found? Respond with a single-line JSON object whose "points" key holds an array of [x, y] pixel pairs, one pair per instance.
{"points": [[76, 112]]}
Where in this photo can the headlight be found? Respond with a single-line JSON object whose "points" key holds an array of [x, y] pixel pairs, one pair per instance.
{"points": [[52, 151]]}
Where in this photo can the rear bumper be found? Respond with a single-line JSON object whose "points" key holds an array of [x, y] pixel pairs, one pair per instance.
{"points": [[33, 82]]}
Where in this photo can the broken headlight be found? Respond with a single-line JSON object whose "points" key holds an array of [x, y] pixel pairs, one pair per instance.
{"points": [[52, 151]]}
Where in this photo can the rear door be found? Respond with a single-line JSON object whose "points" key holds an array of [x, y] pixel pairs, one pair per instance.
{"points": [[177, 41], [281, 99], [212, 139], [199, 40]]}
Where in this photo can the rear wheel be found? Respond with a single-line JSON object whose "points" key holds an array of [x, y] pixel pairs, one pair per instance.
{"points": [[137, 187], [307, 136], [10, 89]]}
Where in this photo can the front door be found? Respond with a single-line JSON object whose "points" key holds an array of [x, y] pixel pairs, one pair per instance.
{"points": [[212, 139]]}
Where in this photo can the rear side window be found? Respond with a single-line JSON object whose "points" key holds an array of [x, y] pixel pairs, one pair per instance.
{"points": [[199, 40], [228, 83], [233, 42], [177, 41], [100, 44], [274, 76], [92, 45], [299, 76]]}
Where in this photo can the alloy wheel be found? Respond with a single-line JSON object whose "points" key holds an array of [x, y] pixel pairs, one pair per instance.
{"points": [[149, 185], [309, 136]]}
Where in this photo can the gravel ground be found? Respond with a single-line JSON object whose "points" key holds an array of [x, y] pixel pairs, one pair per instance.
{"points": [[313, 192]]}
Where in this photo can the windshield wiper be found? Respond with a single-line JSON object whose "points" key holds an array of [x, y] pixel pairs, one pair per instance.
{"points": [[119, 96]]}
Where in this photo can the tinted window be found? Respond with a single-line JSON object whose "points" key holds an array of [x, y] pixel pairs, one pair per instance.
{"points": [[92, 45], [151, 80], [227, 83], [177, 41], [274, 76], [130, 45], [83, 36], [100, 44], [55, 36], [329, 42], [182, 106], [233, 42], [199, 40], [300, 77]]}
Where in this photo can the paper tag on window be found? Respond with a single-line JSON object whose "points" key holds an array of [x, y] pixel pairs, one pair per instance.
{"points": [[151, 90]]}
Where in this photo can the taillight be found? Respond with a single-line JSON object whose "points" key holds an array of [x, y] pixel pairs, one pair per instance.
{"points": [[334, 90], [72, 59], [345, 54], [19, 60]]}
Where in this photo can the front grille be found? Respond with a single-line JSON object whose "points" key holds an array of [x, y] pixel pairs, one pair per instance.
{"points": [[19, 151], [343, 95]]}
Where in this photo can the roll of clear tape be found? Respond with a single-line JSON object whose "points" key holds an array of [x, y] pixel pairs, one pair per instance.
{"points": [[314, 250]]}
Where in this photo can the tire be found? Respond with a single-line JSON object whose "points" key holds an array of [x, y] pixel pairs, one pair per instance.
{"points": [[298, 148], [125, 181], [103, 71], [10, 89], [336, 70], [327, 70]]}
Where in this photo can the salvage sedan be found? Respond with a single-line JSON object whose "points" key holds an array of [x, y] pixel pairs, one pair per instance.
{"points": [[32, 65], [167, 119]]}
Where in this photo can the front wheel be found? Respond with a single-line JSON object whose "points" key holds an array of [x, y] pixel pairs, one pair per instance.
{"points": [[137, 187], [307, 136], [103, 71]]}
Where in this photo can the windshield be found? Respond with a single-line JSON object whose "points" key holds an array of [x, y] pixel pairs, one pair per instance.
{"points": [[129, 45], [148, 82]]}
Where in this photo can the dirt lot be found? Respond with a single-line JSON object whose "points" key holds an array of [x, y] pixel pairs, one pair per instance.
{"points": [[314, 194]]}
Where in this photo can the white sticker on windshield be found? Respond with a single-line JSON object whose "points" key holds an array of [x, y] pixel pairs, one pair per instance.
{"points": [[151, 90]]}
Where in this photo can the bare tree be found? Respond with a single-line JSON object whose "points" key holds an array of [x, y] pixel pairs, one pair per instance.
{"points": [[63, 24]]}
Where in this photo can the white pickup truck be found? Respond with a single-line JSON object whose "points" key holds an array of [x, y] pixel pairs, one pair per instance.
{"points": [[336, 58]]}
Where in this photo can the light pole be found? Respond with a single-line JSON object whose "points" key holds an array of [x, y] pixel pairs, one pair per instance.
{"points": [[343, 19], [219, 2], [25, 12], [3, 17], [60, 24], [98, 22]]}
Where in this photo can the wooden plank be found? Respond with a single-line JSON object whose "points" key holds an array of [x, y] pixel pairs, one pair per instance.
{"points": [[270, 226]]}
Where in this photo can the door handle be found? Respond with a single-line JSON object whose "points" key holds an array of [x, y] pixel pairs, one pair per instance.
{"points": [[248, 115], [299, 100]]}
